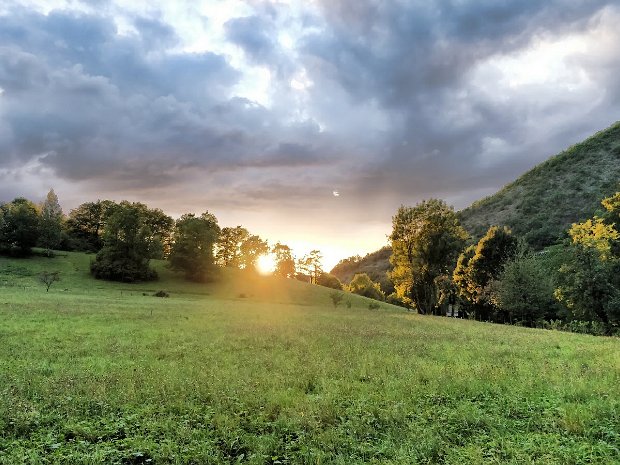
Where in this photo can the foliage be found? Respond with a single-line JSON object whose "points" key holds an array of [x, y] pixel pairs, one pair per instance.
{"points": [[285, 262], [588, 285], [192, 250], [51, 223], [251, 249], [310, 265], [375, 264], [19, 226], [86, 225], [589, 279], [48, 278], [329, 280], [524, 291], [229, 246], [543, 203], [126, 246], [425, 240], [478, 269], [361, 284], [336, 298]]}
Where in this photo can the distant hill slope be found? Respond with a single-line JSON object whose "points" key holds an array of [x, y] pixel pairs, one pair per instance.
{"points": [[375, 265], [567, 188], [539, 206]]}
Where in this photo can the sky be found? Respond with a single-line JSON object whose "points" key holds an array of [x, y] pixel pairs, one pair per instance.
{"points": [[307, 122]]}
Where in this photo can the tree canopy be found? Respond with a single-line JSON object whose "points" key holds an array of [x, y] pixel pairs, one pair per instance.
{"points": [[193, 242], [426, 240]]}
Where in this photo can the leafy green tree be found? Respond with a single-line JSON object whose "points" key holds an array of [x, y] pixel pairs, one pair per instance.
{"points": [[229, 246], [361, 284], [425, 241], [524, 290], [86, 224], [477, 269], [160, 226], [51, 223], [251, 249], [192, 249], [588, 281], [19, 226], [329, 280], [126, 241], [285, 262]]}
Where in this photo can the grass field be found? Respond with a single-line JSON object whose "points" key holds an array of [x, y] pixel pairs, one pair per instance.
{"points": [[261, 370]]}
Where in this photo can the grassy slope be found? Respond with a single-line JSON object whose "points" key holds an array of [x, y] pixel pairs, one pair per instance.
{"points": [[567, 188], [100, 373]]}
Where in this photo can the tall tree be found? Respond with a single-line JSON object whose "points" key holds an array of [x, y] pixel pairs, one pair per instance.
{"points": [[310, 265], [285, 262], [589, 280], [250, 249], [229, 246], [51, 223], [125, 252], [425, 243], [193, 243], [86, 224], [478, 268], [19, 226]]}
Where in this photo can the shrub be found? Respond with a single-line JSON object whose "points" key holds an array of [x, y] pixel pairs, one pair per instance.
{"points": [[336, 298], [161, 294]]}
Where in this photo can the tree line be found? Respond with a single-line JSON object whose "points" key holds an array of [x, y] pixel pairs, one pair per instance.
{"points": [[125, 236], [574, 285]]}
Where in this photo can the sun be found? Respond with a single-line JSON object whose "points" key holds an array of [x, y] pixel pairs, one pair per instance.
{"points": [[266, 264]]}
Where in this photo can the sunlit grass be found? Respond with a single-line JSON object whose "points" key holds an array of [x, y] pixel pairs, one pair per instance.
{"points": [[261, 370]]}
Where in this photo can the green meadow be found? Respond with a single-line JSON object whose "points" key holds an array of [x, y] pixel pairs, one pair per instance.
{"points": [[266, 371]]}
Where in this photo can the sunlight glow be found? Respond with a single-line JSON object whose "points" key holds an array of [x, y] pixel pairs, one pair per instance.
{"points": [[266, 264]]}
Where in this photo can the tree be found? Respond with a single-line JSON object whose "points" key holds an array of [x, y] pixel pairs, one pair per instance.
{"points": [[51, 223], [310, 265], [524, 290], [160, 226], [329, 280], [86, 224], [361, 284], [478, 268], [125, 252], [285, 262], [192, 249], [425, 243], [250, 249], [48, 278], [229, 246], [588, 281], [19, 226]]}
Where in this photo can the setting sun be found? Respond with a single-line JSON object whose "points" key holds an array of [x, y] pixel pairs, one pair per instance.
{"points": [[266, 264]]}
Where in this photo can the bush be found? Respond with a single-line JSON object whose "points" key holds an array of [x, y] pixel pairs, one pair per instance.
{"points": [[361, 284], [336, 298], [161, 294], [329, 280]]}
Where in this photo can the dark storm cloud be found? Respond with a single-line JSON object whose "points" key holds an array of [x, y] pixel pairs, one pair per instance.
{"points": [[416, 59], [93, 104], [379, 99]]}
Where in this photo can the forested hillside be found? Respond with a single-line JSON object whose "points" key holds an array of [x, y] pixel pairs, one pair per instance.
{"points": [[375, 265], [543, 203]]}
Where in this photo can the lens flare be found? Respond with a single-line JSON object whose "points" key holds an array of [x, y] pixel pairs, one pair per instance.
{"points": [[266, 264]]}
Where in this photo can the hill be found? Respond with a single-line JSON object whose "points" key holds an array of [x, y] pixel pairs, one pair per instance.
{"points": [[539, 206], [264, 371], [375, 265], [567, 188]]}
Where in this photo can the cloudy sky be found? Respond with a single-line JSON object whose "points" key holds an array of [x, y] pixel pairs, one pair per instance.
{"points": [[258, 111]]}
